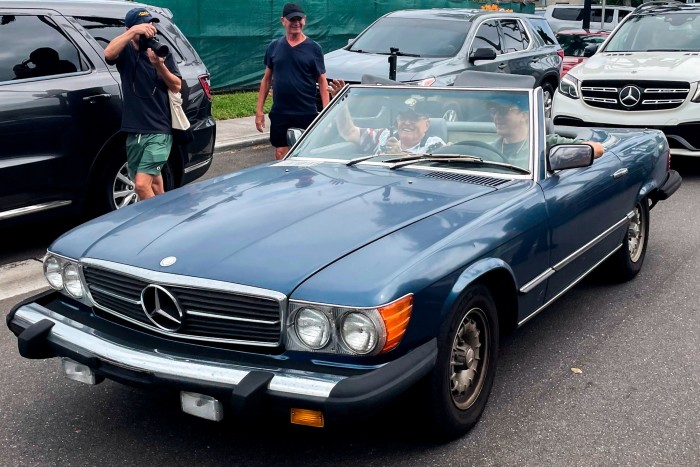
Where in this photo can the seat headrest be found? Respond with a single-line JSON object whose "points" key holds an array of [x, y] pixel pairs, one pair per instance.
{"points": [[438, 127]]}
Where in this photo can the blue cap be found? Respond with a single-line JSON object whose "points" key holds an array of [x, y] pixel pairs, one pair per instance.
{"points": [[139, 16]]}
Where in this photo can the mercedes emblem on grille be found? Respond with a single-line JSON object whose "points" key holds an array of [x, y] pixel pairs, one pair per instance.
{"points": [[161, 308], [630, 96], [168, 261]]}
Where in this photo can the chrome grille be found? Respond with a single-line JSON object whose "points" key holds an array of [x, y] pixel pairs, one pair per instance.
{"points": [[209, 315], [645, 95]]}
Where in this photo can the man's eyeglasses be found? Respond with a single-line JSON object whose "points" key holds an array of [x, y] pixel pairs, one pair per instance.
{"points": [[504, 110], [296, 19], [410, 117]]}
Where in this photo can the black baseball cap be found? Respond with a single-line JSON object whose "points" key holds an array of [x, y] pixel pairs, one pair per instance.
{"points": [[292, 10], [138, 16], [414, 109]]}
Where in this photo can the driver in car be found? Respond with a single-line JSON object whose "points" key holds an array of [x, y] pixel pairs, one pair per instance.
{"points": [[410, 136], [512, 125]]}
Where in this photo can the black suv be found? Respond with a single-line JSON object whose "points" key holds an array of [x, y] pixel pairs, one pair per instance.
{"points": [[436, 45], [60, 108]]}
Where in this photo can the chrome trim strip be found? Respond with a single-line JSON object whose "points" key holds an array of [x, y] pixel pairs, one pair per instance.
{"points": [[32, 209], [563, 263], [184, 281], [536, 281], [113, 295], [87, 341], [532, 315], [198, 165], [229, 318]]}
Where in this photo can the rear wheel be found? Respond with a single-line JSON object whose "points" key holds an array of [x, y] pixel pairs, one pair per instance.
{"points": [[548, 95], [466, 364], [628, 260], [116, 190]]}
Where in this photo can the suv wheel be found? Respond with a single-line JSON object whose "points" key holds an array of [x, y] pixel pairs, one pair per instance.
{"points": [[548, 95]]}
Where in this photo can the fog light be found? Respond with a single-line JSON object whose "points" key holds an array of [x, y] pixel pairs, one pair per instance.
{"points": [[202, 406], [78, 372], [307, 417]]}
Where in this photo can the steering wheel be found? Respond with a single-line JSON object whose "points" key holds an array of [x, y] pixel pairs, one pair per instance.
{"points": [[487, 151]]}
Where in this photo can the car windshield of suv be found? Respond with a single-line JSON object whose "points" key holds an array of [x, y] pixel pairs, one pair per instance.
{"points": [[416, 36], [575, 44], [670, 31], [483, 130]]}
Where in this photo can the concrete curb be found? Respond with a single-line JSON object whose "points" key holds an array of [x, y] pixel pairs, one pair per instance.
{"points": [[240, 143]]}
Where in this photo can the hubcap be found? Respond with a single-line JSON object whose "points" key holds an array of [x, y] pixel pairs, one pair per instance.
{"points": [[469, 359], [123, 190], [635, 235], [450, 115], [547, 104]]}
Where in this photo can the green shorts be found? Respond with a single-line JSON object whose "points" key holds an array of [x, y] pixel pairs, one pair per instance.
{"points": [[147, 153]]}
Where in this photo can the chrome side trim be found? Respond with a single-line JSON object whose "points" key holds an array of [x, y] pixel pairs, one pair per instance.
{"points": [[72, 335], [537, 280], [32, 209], [531, 315], [198, 165], [563, 263]]}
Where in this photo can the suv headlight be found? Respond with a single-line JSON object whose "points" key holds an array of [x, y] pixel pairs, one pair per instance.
{"points": [[569, 87], [64, 275], [696, 96], [335, 329]]}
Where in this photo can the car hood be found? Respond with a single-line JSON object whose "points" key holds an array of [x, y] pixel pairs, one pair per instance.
{"points": [[271, 226], [350, 66], [639, 65]]}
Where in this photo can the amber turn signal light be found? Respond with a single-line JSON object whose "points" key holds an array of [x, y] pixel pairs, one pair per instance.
{"points": [[307, 417], [396, 316]]}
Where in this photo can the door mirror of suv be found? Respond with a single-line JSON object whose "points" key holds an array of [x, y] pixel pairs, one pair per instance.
{"points": [[485, 53], [590, 49]]}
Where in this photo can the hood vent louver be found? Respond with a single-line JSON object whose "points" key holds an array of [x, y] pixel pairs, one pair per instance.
{"points": [[464, 178]]}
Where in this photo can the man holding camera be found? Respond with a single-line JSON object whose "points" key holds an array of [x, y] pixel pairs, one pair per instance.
{"points": [[147, 72]]}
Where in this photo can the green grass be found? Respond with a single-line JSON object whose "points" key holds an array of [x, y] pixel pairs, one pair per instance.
{"points": [[239, 104]]}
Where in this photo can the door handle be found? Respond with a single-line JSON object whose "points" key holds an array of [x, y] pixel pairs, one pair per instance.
{"points": [[97, 97], [501, 66], [620, 173]]}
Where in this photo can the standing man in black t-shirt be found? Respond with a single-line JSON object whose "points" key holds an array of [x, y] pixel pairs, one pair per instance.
{"points": [[146, 79], [293, 67]]}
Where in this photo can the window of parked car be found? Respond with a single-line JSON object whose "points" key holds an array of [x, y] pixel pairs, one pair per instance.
{"points": [[39, 48], [103, 30], [409, 36], [575, 44], [514, 36], [543, 30], [487, 37], [596, 14]]}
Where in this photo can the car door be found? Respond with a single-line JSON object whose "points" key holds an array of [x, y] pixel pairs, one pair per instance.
{"points": [[520, 54], [585, 212], [58, 107], [488, 35]]}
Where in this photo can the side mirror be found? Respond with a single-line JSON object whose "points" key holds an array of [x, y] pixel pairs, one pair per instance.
{"points": [[485, 53], [293, 135], [351, 40], [590, 49], [570, 156]]}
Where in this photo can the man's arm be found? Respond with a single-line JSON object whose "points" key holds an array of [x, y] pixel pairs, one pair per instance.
{"points": [[116, 45], [323, 89], [171, 80], [265, 85], [598, 149]]}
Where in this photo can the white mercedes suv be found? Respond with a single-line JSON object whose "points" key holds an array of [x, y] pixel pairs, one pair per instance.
{"points": [[646, 74]]}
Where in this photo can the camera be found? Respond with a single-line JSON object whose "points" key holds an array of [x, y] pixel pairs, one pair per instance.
{"points": [[161, 50]]}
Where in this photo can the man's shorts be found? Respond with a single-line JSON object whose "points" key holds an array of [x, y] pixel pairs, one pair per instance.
{"points": [[280, 123], [147, 153]]}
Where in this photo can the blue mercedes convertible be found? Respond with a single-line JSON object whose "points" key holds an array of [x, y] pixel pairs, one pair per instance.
{"points": [[394, 245]]}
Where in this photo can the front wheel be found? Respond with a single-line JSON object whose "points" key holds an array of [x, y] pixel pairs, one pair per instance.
{"points": [[466, 364], [547, 97], [628, 260]]}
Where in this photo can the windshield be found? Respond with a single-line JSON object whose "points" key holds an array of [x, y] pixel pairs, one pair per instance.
{"points": [[671, 31], [575, 44], [378, 124], [422, 37]]}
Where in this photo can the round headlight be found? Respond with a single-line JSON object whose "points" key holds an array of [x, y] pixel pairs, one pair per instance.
{"points": [[313, 328], [71, 281], [52, 272], [358, 333]]}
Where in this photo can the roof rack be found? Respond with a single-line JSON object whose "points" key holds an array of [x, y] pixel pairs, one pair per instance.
{"points": [[673, 4]]}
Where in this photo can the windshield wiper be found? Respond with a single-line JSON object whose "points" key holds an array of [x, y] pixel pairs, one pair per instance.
{"points": [[401, 162], [359, 51], [364, 158], [400, 54]]}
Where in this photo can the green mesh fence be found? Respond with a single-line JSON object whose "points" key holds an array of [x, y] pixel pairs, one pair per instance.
{"points": [[231, 36]]}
